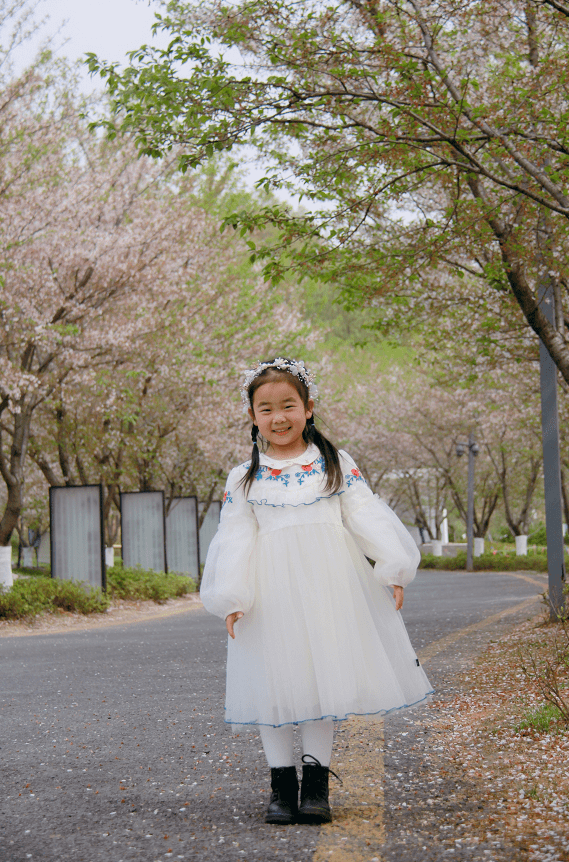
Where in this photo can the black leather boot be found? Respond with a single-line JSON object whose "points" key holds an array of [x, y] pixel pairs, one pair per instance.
{"points": [[314, 806], [283, 807]]}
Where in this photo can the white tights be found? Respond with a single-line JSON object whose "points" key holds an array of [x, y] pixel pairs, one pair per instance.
{"points": [[317, 738]]}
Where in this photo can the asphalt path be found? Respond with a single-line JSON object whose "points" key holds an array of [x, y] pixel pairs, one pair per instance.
{"points": [[423, 813], [113, 745]]}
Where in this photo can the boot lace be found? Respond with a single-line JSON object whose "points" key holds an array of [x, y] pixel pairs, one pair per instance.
{"points": [[315, 762]]}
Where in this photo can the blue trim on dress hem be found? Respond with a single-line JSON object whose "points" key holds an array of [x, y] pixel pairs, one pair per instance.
{"points": [[333, 717]]}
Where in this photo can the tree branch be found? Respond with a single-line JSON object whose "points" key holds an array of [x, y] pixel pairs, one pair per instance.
{"points": [[533, 170], [560, 7]]}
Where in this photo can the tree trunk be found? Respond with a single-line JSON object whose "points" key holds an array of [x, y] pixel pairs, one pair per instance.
{"points": [[414, 498], [482, 523], [64, 460], [209, 499], [518, 523], [515, 271], [13, 472], [42, 462]]}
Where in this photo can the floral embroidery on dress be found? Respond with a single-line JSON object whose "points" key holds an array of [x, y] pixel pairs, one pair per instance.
{"points": [[274, 474], [354, 476], [271, 474], [227, 498], [309, 469]]}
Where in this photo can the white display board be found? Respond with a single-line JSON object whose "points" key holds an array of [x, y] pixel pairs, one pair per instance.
{"points": [[182, 544], [77, 534], [209, 527], [142, 528]]}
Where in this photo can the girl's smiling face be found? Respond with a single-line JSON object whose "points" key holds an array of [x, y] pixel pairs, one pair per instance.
{"points": [[280, 414]]}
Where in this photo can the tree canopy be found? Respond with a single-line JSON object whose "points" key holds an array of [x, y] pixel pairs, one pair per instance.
{"points": [[127, 318], [428, 136]]}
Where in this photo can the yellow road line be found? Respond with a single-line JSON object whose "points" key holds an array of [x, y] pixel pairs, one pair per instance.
{"points": [[357, 832], [443, 643]]}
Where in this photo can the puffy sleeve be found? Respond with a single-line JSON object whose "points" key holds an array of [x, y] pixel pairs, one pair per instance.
{"points": [[228, 578], [376, 529]]}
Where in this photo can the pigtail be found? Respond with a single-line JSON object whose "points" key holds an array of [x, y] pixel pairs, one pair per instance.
{"points": [[247, 479], [332, 468]]}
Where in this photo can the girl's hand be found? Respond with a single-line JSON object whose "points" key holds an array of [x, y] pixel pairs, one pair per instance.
{"points": [[232, 619], [398, 596]]}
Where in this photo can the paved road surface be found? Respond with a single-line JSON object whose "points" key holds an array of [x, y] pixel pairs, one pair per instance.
{"points": [[113, 746]]}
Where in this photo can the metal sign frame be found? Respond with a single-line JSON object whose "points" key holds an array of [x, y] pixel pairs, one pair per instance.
{"points": [[53, 492]]}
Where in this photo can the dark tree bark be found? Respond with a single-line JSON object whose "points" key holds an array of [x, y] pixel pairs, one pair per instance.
{"points": [[12, 470]]}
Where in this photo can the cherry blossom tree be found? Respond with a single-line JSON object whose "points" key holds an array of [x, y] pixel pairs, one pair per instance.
{"points": [[402, 425], [138, 314], [34, 111]]}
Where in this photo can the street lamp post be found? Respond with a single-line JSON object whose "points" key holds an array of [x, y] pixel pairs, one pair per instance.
{"points": [[551, 461], [473, 450]]}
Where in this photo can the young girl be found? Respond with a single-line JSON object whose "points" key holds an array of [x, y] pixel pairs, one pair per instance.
{"points": [[315, 635]]}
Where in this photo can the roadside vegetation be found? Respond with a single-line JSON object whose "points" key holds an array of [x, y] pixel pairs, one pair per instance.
{"points": [[506, 734], [41, 594], [545, 664], [488, 562], [543, 719], [142, 584]]}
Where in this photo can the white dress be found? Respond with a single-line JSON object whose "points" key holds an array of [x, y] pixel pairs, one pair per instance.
{"points": [[320, 636]]}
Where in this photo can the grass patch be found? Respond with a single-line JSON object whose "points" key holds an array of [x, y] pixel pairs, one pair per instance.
{"points": [[540, 719], [486, 562], [40, 593], [33, 571]]}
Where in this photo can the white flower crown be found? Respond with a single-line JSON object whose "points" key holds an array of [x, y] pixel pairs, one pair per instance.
{"points": [[293, 366]]}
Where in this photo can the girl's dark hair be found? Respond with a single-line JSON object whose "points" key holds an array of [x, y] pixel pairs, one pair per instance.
{"points": [[311, 434]]}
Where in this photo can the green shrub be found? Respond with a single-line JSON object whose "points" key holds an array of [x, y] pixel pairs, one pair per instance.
{"points": [[486, 562], [32, 596], [137, 583], [42, 594], [538, 536]]}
